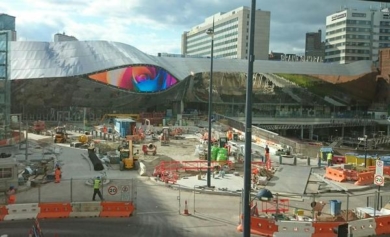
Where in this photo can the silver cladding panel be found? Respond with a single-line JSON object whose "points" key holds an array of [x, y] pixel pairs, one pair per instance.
{"points": [[32, 60]]}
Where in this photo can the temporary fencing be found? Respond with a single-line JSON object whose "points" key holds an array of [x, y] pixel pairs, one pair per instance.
{"points": [[65, 210], [363, 217]]}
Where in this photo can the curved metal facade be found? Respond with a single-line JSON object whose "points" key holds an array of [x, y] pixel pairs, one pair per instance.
{"points": [[33, 60]]}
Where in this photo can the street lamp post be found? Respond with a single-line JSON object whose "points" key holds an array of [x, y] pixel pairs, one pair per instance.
{"points": [[365, 151], [210, 32], [248, 124]]}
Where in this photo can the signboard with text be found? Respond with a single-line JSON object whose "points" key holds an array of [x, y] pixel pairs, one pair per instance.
{"points": [[379, 179]]}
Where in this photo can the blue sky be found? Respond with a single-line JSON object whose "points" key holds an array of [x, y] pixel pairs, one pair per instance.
{"points": [[156, 25]]}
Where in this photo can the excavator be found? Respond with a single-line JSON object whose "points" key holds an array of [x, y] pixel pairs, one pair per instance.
{"points": [[128, 160]]}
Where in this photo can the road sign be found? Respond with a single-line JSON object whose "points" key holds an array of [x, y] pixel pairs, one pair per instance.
{"points": [[379, 168], [125, 188], [379, 180], [112, 190]]}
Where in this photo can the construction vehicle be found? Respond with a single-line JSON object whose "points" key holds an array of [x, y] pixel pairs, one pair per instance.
{"points": [[127, 159], [164, 137], [60, 134], [150, 148]]}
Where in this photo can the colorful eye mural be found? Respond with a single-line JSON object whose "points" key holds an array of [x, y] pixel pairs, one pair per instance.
{"points": [[137, 78]]}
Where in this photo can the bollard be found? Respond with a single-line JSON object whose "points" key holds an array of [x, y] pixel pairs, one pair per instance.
{"points": [[308, 161], [295, 160], [280, 160]]}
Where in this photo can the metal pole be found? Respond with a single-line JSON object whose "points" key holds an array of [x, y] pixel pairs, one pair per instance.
{"points": [[26, 151], [378, 198], [248, 125], [210, 110], [71, 189], [365, 153], [84, 114], [347, 207]]}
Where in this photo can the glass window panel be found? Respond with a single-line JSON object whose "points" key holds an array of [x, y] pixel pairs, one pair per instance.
{"points": [[2, 72], [2, 57]]}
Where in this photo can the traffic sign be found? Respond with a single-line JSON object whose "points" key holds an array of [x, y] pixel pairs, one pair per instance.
{"points": [[379, 180], [112, 190], [125, 188], [379, 167]]}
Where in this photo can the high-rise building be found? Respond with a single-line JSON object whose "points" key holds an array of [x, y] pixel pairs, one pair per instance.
{"points": [[63, 37], [231, 35], [7, 24], [314, 46], [353, 35]]}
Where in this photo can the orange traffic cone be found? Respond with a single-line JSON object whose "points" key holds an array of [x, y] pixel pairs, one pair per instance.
{"points": [[186, 208]]}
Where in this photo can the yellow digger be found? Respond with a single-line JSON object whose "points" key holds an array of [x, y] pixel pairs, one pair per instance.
{"points": [[128, 160]]}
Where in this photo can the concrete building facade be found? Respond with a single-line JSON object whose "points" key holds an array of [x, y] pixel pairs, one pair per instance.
{"points": [[231, 35], [353, 35], [314, 46]]}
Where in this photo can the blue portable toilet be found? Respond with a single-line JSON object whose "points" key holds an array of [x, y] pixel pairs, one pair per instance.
{"points": [[335, 207], [124, 126]]}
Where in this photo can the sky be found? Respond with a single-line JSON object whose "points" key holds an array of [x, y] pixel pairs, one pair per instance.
{"points": [[155, 26]]}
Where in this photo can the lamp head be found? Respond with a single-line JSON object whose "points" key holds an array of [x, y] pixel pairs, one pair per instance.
{"points": [[210, 31]]}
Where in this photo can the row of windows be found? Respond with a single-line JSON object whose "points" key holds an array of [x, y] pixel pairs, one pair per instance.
{"points": [[354, 51], [385, 23], [347, 58], [216, 38], [348, 29], [360, 44], [217, 28], [384, 45], [216, 45], [350, 36], [384, 37]]}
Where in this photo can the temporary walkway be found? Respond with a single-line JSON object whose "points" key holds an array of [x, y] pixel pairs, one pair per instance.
{"points": [[290, 179]]}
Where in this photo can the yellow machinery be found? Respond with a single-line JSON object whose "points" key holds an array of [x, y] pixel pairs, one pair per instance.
{"points": [[60, 135], [128, 160], [164, 137], [84, 139]]}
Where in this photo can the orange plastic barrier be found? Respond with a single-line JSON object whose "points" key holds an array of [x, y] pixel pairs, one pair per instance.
{"points": [[117, 209], [382, 225], [54, 210], [261, 226], [365, 178], [3, 212], [325, 229], [351, 175], [335, 174], [386, 169]]}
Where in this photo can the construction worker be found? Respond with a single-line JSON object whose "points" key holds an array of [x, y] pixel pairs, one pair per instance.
{"points": [[57, 174], [329, 158], [96, 189], [11, 195]]}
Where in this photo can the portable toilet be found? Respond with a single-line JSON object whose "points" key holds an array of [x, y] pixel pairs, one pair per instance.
{"points": [[324, 152]]}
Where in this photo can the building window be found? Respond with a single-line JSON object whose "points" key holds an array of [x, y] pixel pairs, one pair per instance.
{"points": [[5, 173], [247, 16]]}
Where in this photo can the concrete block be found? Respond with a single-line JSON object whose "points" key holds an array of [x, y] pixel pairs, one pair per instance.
{"points": [[21, 216]]}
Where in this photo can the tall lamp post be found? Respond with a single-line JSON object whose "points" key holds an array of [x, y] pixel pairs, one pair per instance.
{"points": [[248, 124], [210, 32]]}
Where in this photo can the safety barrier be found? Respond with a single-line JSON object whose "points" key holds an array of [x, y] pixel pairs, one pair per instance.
{"points": [[325, 229], [351, 175], [22, 211], [117, 209], [364, 227], [335, 174], [338, 160], [277, 206], [386, 169], [65, 210], [54, 210], [3, 212], [261, 226], [294, 229], [85, 209], [365, 178], [382, 225]]}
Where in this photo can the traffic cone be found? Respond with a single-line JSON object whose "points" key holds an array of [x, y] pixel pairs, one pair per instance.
{"points": [[186, 208]]}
